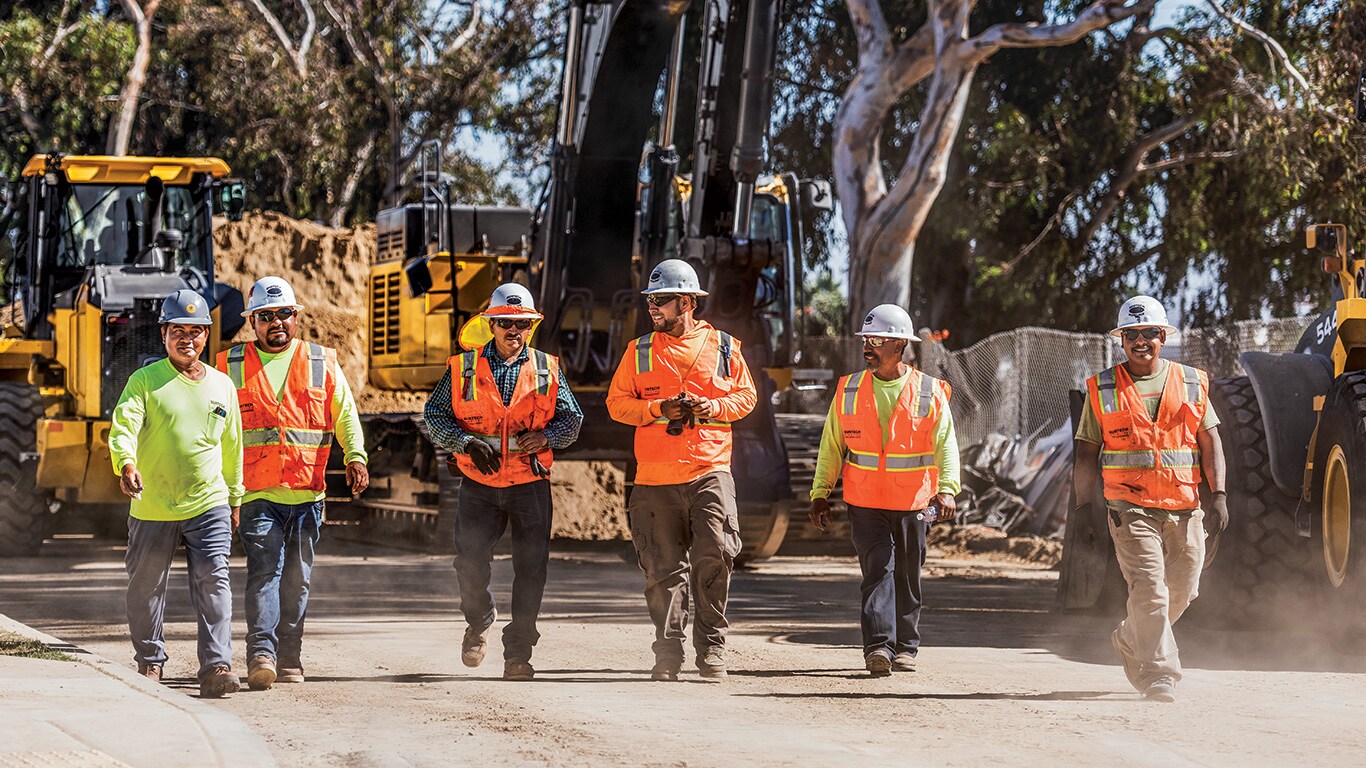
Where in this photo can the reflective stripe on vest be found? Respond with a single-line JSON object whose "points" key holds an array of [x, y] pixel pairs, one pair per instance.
{"points": [[1109, 398], [235, 357], [317, 365], [1191, 377], [909, 462], [862, 460], [925, 397], [723, 359], [542, 372], [468, 367], [850, 394], [644, 358], [308, 438]]}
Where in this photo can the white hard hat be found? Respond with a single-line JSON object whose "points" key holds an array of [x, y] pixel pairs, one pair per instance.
{"points": [[674, 276], [185, 307], [270, 293], [1142, 312], [888, 320], [511, 301]]}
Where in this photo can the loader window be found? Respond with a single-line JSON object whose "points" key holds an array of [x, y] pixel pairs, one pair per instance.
{"points": [[103, 224]]}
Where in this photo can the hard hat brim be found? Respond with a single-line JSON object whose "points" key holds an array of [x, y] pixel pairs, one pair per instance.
{"points": [[884, 334], [1117, 332], [280, 305], [187, 321], [698, 292]]}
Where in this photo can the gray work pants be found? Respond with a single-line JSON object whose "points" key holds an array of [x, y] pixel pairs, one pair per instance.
{"points": [[687, 537], [151, 547]]}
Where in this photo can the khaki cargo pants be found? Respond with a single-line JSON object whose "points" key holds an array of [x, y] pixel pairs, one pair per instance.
{"points": [[1161, 560], [686, 537]]}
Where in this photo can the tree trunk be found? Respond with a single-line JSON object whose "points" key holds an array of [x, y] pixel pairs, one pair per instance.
{"points": [[121, 128]]}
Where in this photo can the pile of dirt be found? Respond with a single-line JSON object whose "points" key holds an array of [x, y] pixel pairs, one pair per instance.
{"points": [[329, 270], [980, 541]]}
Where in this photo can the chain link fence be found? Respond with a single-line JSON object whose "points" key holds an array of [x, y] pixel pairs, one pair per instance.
{"points": [[1016, 383]]}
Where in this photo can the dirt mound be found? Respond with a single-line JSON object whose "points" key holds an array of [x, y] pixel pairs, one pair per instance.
{"points": [[329, 270], [990, 543]]}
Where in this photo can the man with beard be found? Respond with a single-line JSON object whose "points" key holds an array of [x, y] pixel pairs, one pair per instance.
{"points": [[890, 435], [1148, 428], [501, 410], [176, 441], [293, 398], [681, 387]]}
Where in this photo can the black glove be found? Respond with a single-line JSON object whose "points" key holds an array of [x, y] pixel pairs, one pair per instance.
{"points": [[1114, 517], [537, 468], [688, 420], [1216, 517], [485, 458]]}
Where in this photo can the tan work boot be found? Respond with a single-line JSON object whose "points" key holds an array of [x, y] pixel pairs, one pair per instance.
{"points": [[1162, 689], [712, 664], [261, 672], [904, 662], [878, 663], [475, 645], [291, 671], [219, 682], [518, 669], [150, 671]]}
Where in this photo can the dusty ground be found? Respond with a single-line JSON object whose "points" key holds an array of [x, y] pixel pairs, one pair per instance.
{"points": [[1002, 679]]}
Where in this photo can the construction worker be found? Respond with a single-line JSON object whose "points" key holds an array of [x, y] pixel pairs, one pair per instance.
{"points": [[889, 434], [1146, 431], [176, 444], [512, 410], [293, 399], [682, 387]]}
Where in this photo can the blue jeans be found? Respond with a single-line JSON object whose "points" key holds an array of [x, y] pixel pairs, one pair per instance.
{"points": [[482, 514], [279, 540], [151, 547], [891, 551]]}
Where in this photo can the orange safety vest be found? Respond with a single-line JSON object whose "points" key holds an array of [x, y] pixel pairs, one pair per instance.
{"points": [[478, 407], [899, 474], [709, 444], [285, 441], [1146, 463]]}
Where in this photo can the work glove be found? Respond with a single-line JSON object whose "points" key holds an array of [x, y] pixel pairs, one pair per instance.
{"points": [[483, 455], [537, 468], [1216, 517]]}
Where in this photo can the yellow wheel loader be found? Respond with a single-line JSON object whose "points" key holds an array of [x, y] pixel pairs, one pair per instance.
{"points": [[101, 241]]}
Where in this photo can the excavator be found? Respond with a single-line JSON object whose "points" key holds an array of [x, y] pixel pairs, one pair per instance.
{"points": [[104, 239], [1294, 436], [615, 205]]}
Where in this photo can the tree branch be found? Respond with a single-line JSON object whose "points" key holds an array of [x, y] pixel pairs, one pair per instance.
{"points": [[1098, 15], [298, 55]]}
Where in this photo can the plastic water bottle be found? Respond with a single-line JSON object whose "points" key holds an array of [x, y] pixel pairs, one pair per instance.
{"points": [[929, 514]]}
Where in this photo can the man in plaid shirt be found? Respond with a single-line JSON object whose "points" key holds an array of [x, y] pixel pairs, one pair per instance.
{"points": [[503, 420]]}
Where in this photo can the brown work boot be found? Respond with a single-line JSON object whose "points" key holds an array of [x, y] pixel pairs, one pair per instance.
{"points": [[904, 662], [150, 671], [261, 672], [518, 669], [475, 645], [878, 663], [712, 664], [219, 682], [291, 671], [665, 671]]}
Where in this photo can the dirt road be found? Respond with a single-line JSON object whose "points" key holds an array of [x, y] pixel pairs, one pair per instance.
{"points": [[1002, 680]]}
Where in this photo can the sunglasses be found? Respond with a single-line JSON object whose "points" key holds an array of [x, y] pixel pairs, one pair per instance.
{"points": [[1132, 334], [875, 341], [269, 315], [660, 299], [507, 325]]}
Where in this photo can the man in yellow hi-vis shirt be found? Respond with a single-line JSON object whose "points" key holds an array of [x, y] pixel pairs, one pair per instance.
{"points": [[176, 442], [293, 398], [890, 434]]}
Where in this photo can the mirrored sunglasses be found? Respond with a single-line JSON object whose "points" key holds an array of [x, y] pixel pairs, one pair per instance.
{"points": [[660, 299], [269, 315], [1132, 334], [875, 341], [507, 325]]}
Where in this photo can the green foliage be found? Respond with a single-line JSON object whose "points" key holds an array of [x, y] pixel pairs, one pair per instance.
{"points": [[826, 306]]}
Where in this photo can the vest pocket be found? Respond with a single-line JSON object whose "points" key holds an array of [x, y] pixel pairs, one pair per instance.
{"points": [[1117, 427], [1190, 421], [315, 405]]}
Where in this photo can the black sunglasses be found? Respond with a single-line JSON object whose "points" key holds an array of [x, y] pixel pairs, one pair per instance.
{"points": [[660, 299], [1132, 334], [507, 325], [269, 315]]}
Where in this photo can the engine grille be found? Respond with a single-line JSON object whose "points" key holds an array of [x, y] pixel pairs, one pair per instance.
{"points": [[385, 293], [127, 347]]}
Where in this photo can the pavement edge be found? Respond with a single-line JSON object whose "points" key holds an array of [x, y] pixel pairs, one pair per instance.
{"points": [[233, 742]]}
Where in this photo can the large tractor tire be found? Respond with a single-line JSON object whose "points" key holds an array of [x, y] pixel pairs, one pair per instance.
{"points": [[1340, 529], [1261, 562], [23, 507]]}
